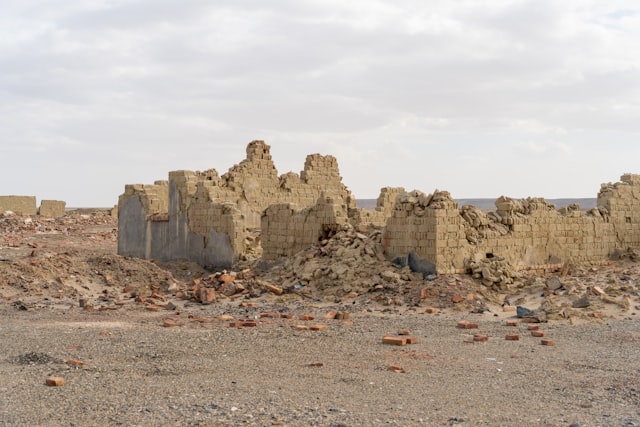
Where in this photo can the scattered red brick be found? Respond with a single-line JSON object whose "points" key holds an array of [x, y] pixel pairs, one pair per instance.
{"points": [[390, 339], [412, 340], [300, 327], [537, 334], [318, 327], [533, 327], [54, 381], [397, 369], [250, 323], [316, 364], [547, 341], [404, 332], [236, 324], [465, 324], [306, 317], [331, 315], [456, 298], [481, 337], [226, 278], [286, 316], [269, 315], [512, 337], [75, 363], [169, 323], [511, 323], [430, 310]]}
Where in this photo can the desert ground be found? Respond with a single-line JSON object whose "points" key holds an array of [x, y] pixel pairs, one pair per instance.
{"points": [[90, 338]]}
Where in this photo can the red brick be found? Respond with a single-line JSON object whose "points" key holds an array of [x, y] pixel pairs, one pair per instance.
{"points": [[546, 341], [169, 323], [226, 278], [457, 298], [318, 327], [75, 363], [430, 310], [54, 381], [236, 324], [537, 334], [397, 369], [306, 317], [511, 323], [512, 337], [465, 324], [286, 316], [390, 339], [404, 332], [412, 340], [316, 364], [342, 315], [250, 323], [300, 327], [480, 337], [533, 327], [269, 315], [330, 315]]}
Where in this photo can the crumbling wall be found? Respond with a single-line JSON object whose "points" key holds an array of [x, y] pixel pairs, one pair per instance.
{"points": [[19, 205], [524, 233], [286, 231], [205, 217], [52, 208], [363, 219]]}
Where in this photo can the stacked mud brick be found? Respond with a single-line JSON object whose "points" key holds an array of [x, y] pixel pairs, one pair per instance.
{"points": [[19, 205], [526, 233], [52, 208], [286, 231], [204, 202]]}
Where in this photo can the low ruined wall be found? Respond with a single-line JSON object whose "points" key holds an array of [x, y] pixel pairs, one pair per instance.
{"points": [[526, 233], [19, 205], [52, 208]]}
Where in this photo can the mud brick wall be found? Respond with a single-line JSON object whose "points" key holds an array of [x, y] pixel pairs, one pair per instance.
{"points": [[286, 231], [362, 219], [52, 208], [205, 217], [19, 205], [527, 233]]}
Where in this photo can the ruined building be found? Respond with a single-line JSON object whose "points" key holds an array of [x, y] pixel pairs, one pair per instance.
{"points": [[206, 218]]}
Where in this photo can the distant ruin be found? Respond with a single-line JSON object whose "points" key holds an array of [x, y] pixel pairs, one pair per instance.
{"points": [[26, 205], [207, 218]]}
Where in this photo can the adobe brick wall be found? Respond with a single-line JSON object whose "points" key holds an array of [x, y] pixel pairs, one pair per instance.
{"points": [[19, 205], [205, 217], [52, 208], [526, 233]]}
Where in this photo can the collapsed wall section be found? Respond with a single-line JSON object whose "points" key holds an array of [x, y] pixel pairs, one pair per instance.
{"points": [[362, 219], [286, 231]]}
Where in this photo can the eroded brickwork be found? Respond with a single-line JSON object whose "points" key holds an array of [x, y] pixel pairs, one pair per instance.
{"points": [[200, 203], [19, 205], [52, 208], [526, 233]]}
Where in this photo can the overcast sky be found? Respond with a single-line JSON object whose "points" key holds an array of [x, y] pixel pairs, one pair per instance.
{"points": [[480, 98]]}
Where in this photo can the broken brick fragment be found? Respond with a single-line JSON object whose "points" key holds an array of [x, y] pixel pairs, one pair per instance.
{"points": [[54, 381]]}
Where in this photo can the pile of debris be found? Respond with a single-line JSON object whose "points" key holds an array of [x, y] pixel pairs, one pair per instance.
{"points": [[495, 273]]}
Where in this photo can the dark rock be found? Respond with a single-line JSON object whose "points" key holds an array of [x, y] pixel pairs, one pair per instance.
{"points": [[581, 303], [419, 265], [400, 261], [522, 312]]}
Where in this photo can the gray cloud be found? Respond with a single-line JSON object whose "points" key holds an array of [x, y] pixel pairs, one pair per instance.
{"points": [[475, 97]]}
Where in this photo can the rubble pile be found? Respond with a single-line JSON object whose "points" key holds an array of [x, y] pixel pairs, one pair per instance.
{"points": [[494, 272]]}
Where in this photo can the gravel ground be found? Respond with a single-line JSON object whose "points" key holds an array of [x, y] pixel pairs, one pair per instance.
{"points": [[138, 373]]}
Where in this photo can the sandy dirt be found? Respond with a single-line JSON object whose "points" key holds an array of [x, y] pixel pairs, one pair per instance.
{"points": [[135, 345]]}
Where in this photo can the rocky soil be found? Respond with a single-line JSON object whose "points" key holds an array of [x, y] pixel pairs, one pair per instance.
{"points": [[300, 341]]}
